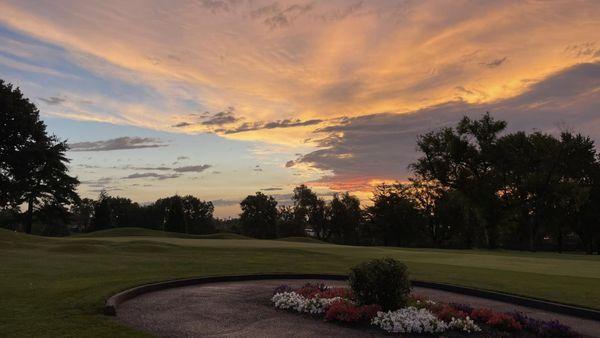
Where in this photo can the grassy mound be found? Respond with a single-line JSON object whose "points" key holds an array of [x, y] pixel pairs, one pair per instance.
{"points": [[302, 240], [143, 232]]}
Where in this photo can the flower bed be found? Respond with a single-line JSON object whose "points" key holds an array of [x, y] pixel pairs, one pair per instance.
{"points": [[420, 316]]}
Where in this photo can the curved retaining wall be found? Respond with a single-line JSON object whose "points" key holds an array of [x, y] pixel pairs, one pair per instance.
{"points": [[111, 304]]}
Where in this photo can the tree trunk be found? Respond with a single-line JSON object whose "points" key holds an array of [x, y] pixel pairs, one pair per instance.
{"points": [[560, 239], [532, 234], [486, 236], [29, 217]]}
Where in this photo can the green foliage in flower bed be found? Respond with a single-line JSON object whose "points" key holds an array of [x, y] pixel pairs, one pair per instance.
{"points": [[381, 281]]}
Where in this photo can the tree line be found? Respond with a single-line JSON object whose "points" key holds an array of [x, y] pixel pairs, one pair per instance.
{"points": [[474, 186], [184, 214]]}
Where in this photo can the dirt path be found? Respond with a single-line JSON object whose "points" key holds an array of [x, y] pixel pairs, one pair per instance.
{"points": [[243, 309]]}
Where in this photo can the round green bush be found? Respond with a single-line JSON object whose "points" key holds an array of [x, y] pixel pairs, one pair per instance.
{"points": [[381, 281]]}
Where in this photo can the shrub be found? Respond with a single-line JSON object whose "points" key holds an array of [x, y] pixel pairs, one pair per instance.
{"points": [[345, 311], [381, 281]]}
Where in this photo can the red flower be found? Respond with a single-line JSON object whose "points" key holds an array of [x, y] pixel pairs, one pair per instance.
{"points": [[446, 312], [504, 322], [336, 292], [345, 311], [481, 315], [312, 291], [309, 290]]}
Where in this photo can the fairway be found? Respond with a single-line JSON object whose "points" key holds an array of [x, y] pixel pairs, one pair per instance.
{"points": [[56, 286]]}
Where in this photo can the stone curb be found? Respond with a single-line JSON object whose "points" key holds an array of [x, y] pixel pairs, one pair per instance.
{"points": [[111, 304]]}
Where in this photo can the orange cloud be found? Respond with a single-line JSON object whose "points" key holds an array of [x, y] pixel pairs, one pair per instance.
{"points": [[317, 59]]}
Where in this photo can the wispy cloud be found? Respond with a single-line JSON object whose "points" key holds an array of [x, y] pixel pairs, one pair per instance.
{"points": [[182, 125], [494, 63], [120, 143], [226, 202], [252, 126], [53, 100], [150, 175], [221, 118], [192, 168]]}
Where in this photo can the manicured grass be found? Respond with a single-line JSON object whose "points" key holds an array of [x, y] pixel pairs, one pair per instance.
{"points": [[56, 286], [128, 232], [302, 240]]}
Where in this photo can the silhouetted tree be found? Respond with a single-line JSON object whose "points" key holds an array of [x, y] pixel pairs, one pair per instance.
{"points": [[288, 224], [199, 215], [103, 214], [394, 216], [175, 219], [83, 212], [259, 216], [53, 219], [33, 165], [344, 217], [309, 210], [462, 159]]}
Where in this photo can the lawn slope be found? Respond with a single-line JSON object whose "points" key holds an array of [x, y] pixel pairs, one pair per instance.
{"points": [[132, 231], [56, 286]]}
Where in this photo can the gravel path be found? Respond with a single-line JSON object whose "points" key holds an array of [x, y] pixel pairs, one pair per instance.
{"points": [[243, 309]]}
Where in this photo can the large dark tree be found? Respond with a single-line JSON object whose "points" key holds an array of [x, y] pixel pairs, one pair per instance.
{"points": [[394, 216], [199, 215], [462, 159], [33, 165], [259, 216], [288, 224], [309, 210], [432, 201], [345, 218], [175, 219], [577, 190], [83, 213], [103, 213]]}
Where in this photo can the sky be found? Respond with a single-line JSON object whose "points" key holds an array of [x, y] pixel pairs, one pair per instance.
{"points": [[223, 98]]}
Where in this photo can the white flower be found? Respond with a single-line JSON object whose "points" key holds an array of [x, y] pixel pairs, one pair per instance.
{"points": [[319, 305], [466, 325], [289, 301], [296, 302], [409, 320]]}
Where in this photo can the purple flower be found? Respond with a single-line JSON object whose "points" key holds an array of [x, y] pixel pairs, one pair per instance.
{"points": [[462, 307], [554, 329], [542, 328]]}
